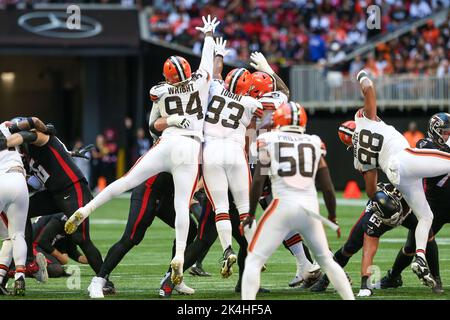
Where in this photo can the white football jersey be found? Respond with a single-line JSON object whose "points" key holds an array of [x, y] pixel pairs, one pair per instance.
{"points": [[294, 160], [9, 158], [229, 114], [374, 142], [189, 99], [272, 100]]}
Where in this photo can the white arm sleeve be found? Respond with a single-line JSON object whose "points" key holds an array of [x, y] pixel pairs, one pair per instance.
{"points": [[207, 61], [155, 114]]}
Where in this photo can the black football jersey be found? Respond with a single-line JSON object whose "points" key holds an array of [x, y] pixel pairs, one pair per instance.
{"points": [[436, 188], [53, 165]]}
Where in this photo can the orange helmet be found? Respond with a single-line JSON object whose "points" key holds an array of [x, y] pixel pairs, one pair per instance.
{"points": [[290, 116], [346, 131], [239, 81], [176, 69], [262, 83]]}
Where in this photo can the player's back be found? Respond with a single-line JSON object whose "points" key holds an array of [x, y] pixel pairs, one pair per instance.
{"points": [[229, 114], [187, 99], [9, 158], [375, 142], [294, 160]]}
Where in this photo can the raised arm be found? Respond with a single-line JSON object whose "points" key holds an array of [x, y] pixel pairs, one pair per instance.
{"points": [[323, 179], [32, 123], [220, 52], [206, 62], [260, 63], [368, 91]]}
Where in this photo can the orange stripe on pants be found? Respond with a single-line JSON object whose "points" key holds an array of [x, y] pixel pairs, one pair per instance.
{"points": [[270, 210]]}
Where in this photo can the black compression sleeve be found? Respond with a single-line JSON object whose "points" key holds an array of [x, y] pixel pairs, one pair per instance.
{"points": [[28, 136], [14, 128], [3, 143], [153, 130], [50, 231]]}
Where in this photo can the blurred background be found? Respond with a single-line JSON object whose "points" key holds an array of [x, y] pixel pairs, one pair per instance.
{"points": [[93, 82]]}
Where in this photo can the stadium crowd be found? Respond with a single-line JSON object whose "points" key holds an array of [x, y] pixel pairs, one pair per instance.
{"points": [[311, 31]]}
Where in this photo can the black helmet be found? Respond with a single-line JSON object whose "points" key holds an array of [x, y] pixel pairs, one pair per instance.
{"points": [[438, 123], [387, 205], [17, 119]]}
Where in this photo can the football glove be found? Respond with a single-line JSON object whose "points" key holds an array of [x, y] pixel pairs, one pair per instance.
{"points": [[81, 153], [209, 25], [178, 121], [220, 47], [247, 222], [51, 131], [260, 63], [338, 231]]}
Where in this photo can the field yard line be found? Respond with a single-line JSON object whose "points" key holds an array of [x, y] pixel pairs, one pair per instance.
{"points": [[441, 241], [340, 201]]}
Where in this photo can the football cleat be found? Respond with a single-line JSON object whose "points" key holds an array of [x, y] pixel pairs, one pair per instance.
{"points": [[310, 279], [229, 258], [74, 221], [365, 293], [321, 285], [177, 270], [296, 281], [41, 275], [264, 267], [108, 288], [165, 291], [19, 287], [420, 268], [96, 288], [438, 289], [197, 270], [389, 281], [182, 288]]}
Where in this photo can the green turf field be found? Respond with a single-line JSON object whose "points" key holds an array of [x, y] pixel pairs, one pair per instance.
{"points": [[138, 276]]}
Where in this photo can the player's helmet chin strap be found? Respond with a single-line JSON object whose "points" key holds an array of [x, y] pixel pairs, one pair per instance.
{"points": [[297, 129]]}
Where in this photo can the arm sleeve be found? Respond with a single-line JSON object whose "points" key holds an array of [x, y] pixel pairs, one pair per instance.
{"points": [[207, 62]]}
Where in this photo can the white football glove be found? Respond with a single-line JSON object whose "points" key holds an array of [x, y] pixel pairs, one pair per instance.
{"points": [[209, 25], [220, 47], [260, 63], [364, 293], [178, 121]]}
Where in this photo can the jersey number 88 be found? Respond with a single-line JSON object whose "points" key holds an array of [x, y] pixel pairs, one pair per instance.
{"points": [[368, 151]]}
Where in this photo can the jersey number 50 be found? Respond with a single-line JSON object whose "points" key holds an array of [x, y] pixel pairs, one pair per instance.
{"points": [[306, 159], [368, 151], [190, 109]]}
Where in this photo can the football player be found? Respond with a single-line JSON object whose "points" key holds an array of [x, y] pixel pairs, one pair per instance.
{"points": [[181, 101], [65, 190], [437, 192], [291, 158], [378, 145], [50, 240], [14, 200], [206, 236], [383, 213], [225, 165], [153, 198], [271, 91]]}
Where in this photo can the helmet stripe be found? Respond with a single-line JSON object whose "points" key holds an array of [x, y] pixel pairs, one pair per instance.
{"points": [[294, 113], [178, 67], [235, 78]]}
